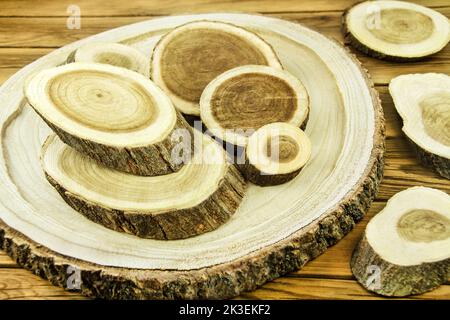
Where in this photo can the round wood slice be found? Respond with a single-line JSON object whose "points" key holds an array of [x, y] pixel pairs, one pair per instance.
{"points": [[243, 99], [275, 154], [275, 230], [395, 30]]}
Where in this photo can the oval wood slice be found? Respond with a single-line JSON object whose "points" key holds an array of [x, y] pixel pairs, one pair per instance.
{"points": [[196, 199], [190, 56], [405, 249], [114, 115], [423, 102], [275, 230], [395, 30]]}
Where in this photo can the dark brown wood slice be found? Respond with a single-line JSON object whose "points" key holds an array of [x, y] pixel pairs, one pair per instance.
{"points": [[188, 57], [242, 100]]}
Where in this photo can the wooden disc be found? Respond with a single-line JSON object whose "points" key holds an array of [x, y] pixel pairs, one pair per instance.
{"points": [[406, 247], [115, 54], [241, 100], [196, 199], [276, 229], [423, 102], [395, 30], [116, 116], [275, 154], [190, 56]]}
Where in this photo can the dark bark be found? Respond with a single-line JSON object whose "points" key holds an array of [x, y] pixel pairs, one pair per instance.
{"points": [[396, 280], [440, 164], [169, 224], [252, 174], [150, 160]]}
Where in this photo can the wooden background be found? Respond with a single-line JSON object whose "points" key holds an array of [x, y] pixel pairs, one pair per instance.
{"points": [[30, 29]]}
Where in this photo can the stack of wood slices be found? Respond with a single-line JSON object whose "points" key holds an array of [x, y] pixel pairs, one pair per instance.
{"points": [[123, 154]]}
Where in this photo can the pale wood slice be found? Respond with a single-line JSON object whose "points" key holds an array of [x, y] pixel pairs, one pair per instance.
{"points": [[197, 199], [187, 58], [423, 102], [406, 247], [395, 30], [115, 116], [241, 100], [275, 154], [115, 54], [275, 230]]}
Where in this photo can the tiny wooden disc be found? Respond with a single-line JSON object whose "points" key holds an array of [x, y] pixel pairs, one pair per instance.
{"points": [[276, 153]]}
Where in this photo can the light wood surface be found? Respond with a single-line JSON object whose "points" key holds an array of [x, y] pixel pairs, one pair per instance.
{"points": [[28, 32]]}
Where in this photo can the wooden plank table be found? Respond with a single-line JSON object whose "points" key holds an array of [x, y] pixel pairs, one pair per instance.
{"points": [[29, 30]]}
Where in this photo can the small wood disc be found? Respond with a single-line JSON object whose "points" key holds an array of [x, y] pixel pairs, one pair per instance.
{"points": [[276, 153], [423, 102], [186, 59], [240, 101], [114, 115], [114, 54], [406, 247], [395, 30], [196, 199]]}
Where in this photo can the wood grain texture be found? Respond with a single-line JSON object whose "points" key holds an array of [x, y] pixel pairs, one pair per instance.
{"points": [[304, 288], [22, 40], [21, 284], [12, 59], [43, 34], [428, 36], [51, 32], [144, 7]]}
